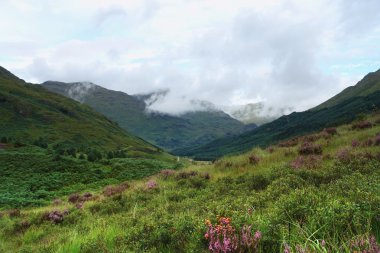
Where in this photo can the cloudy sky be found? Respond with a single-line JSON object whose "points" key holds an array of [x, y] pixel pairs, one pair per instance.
{"points": [[284, 53]]}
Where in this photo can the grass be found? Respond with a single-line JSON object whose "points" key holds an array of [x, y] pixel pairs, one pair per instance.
{"points": [[323, 208]]}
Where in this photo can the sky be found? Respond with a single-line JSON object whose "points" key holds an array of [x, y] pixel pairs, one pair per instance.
{"points": [[282, 53]]}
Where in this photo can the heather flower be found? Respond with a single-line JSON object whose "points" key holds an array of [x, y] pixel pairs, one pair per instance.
{"points": [[55, 216], [222, 237], [331, 131], [355, 143], [253, 159], [344, 155], [298, 162], [111, 190], [377, 140], [365, 244], [74, 198], [287, 249], [309, 148], [167, 173], [151, 184], [362, 125]]}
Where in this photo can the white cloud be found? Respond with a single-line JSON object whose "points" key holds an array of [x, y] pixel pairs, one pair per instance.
{"points": [[285, 53]]}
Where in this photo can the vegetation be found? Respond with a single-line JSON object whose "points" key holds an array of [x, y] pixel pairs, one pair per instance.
{"points": [[254, 202], [34, 176], [31, 114], [296, 124], [166, 131]]}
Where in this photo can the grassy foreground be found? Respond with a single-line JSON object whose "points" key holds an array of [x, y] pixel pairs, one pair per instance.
{"points": [[317, 193]]}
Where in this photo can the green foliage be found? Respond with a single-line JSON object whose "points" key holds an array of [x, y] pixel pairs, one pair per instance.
{"points": [[41, 177], [31, 114]]}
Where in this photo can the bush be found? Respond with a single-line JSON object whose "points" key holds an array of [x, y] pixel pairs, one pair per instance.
{"points": [[151, 184], [355, 143], [111, 190], [55, 216], [362, 125], [253, 159], [377, 140], [309, 148], [309, 162], [14, 213], [344, 155], [331, 130], [288, 143], [74, 198]]}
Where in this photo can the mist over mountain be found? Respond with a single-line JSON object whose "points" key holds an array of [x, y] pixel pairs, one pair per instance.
{"points": [[139, 115], [258, 113]]}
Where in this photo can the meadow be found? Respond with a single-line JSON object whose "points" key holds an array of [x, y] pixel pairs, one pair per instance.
{"points": [[314, 193]]}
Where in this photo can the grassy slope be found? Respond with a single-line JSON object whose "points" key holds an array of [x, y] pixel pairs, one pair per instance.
{"points": [[295, 124], [28, 112], [164, 130], [329, 199], [369, 84], [31, 175]]}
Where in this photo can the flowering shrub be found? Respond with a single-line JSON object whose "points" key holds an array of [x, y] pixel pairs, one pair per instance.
{"points": [[309, 148], [151, 184], [288, 143], [111, 190], [270, 149], [368, 143], [206, 176], [330, 131], [365, 245], [298, 162], [223, 237], [309, 162], [362, 125], [253, 159], [355, 143], [74, 198], [377, 140], [186, 174], [344, 155], [14, 213], [55, 216], [167, 173]]}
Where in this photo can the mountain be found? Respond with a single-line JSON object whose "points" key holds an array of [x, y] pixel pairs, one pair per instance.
{"points": [[369, 84], [29, 112], [167, 131], [257, 113], [343, 108]]}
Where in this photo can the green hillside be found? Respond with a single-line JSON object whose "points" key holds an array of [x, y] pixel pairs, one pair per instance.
{"points": [[167, 131], [369, 84], [322, 194], [51, 146], [29, 112], [294, 124]]}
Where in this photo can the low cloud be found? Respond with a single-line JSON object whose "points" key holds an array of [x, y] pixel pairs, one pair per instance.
{"points": [[284, 54]]}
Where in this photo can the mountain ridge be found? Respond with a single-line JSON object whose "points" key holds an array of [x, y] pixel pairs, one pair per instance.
{"points": [[295, 124], [167, 131]]}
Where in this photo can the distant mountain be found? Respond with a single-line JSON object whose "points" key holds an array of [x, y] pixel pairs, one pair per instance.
{"points": [[30, 112], [343, 108], [167, 131], [256, 113]]}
